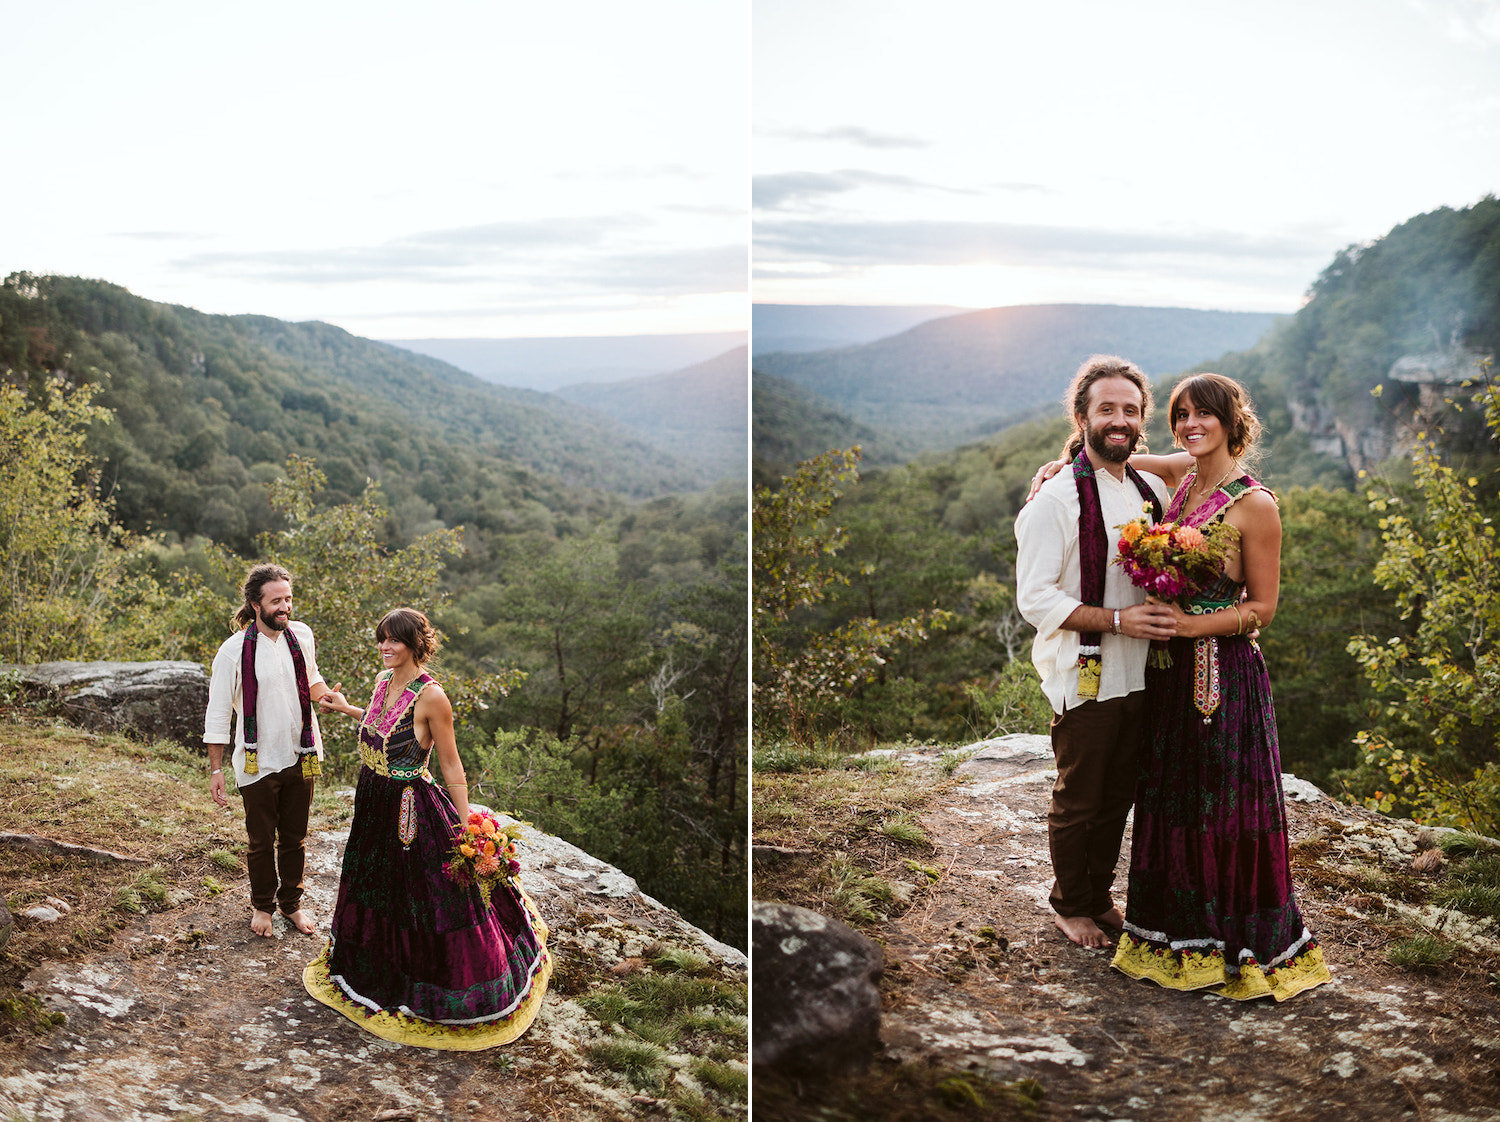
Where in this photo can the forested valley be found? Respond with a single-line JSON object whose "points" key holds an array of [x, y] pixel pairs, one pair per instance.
{"points": [[590, 590], [885, 601]]}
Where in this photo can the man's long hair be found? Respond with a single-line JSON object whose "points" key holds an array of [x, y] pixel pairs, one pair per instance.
{"points": [[1076, 399], [255, 581]]}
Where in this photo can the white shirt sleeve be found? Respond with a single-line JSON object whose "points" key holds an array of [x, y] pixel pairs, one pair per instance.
{"points": [[1044, 534], [221, 694]]}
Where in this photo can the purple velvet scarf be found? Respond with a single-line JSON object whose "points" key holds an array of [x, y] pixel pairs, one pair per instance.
{"points": [[250, 695], [1093, 559]]}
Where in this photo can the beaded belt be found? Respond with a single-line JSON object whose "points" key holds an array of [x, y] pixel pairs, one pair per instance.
{"points": [[380, 765]]}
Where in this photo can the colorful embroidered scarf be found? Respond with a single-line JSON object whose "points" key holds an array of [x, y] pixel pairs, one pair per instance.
{"points": [[1093, 559], [250, 695]]}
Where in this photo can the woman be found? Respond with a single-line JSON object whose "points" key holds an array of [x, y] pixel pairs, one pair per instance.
{"points": [[412, 956], [1210, 902]]}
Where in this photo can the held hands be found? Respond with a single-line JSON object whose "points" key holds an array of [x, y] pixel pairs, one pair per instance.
{"points": [[1151, 620], [334, 702]]}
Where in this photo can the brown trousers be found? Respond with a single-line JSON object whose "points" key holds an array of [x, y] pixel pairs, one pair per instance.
{"points": [[1097, 746], [276, 810]]}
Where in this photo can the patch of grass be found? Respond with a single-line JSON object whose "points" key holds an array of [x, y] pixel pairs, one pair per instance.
{"points": [[951, 760], [1464, 845], [1473, 899], [643, 1065], [1421, 954], [1477, 872], [728, 1080], [863, 897], [931, 872], [903, 827], [681, 960], [224, 859]]}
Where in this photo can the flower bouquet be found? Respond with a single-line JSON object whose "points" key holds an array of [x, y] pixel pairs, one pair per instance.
{"points": [[484, 854], [1172, 561]]}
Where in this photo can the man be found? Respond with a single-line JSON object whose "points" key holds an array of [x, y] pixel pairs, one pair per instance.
{"points": [[1093, 634], [267, 675]]}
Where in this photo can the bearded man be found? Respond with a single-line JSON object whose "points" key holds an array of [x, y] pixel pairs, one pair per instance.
{"points": [[1093, 633], [267, 676]]}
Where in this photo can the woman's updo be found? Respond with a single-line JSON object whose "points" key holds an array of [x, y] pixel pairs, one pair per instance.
{"points": [[1223, 397], [411, 629]]}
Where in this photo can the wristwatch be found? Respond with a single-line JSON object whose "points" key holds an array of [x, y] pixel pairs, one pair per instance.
{"points": [[1116, 630]]}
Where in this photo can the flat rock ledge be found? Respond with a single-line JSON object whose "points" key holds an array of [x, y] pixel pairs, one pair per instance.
{"points": [[190, 1016], [978, 978]]}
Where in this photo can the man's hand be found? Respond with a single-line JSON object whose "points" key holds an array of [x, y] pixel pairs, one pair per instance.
{"points": [[218, 788], [1151, 620]]}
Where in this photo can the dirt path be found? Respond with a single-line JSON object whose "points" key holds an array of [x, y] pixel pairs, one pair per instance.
{"points": [[190, 1016], [1018, 1001]]}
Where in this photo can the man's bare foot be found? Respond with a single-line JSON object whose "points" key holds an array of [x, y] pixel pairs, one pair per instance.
{"points": [[1112, 919], [260, 923], [1081, 930], [301, 921]]}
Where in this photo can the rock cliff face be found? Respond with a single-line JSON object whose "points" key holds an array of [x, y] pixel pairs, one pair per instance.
{"points": [[1364, 438]]}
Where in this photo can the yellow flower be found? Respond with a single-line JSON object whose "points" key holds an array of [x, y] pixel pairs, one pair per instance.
{"points": [[467, 850], [1131, 531]]}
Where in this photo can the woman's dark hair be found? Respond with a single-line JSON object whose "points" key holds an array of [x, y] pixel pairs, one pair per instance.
{"points": [[1226, 400], [1094, 369], [255, 582], [411, 629]]}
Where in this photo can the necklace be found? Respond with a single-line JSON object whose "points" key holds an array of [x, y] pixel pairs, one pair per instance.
{"points": [[1203, 495]]}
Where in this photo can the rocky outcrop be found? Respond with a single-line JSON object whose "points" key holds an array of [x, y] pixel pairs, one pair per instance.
{"points": [[151, 700], [816, 1001], [189, 1015]]}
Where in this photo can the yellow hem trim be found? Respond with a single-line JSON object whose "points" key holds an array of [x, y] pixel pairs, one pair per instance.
{"points": [[1195, 970], [401, 1029]]}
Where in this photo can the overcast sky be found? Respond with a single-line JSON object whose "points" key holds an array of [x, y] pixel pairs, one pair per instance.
{"points": [[989, 152], [457, 168]]}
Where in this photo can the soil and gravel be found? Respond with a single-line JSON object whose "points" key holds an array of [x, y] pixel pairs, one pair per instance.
{"points": [[978, 980]]}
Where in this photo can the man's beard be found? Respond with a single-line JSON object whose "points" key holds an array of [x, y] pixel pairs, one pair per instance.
{"points": [[1115, 454], [274, 622]]}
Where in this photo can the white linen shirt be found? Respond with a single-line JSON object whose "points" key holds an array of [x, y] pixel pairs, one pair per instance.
{"points": [[1049, 585], [278, 715]]}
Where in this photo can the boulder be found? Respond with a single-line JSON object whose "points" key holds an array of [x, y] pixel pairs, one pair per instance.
{"points": [[816, 1005], [151, 700]]}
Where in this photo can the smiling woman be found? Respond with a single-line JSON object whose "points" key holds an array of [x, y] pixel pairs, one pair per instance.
{"points": [[415, 955]]}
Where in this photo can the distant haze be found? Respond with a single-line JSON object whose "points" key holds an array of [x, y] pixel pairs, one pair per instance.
{"points": [[548, 364], [799, 328]]}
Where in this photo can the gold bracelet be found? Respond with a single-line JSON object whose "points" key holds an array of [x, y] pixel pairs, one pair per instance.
{"points": [[465, 786], [1240, 630]]}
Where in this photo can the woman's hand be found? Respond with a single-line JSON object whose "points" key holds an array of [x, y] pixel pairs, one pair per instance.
{"points": [[1152, 620], [335, 702], [1044, 473]]}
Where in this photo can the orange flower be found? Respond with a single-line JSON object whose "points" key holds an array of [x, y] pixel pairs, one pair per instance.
{"points": [[1190, 537], [488, 826], [488, 847], [467, 850], [1131, 531]]}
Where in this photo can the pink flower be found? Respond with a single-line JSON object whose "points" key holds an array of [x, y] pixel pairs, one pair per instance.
{"points": [[488, 865], [1190, 537], [515, 868]]}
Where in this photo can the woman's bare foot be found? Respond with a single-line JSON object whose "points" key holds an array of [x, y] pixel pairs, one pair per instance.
{"points": [[301, 921], [1112, 919], [1081, 930], [260, 923]]}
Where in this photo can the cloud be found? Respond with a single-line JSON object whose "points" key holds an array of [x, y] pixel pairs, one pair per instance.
{"points": [[775, 192], [852, 134], [595, 254], [163, 236], [977, 243]]}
